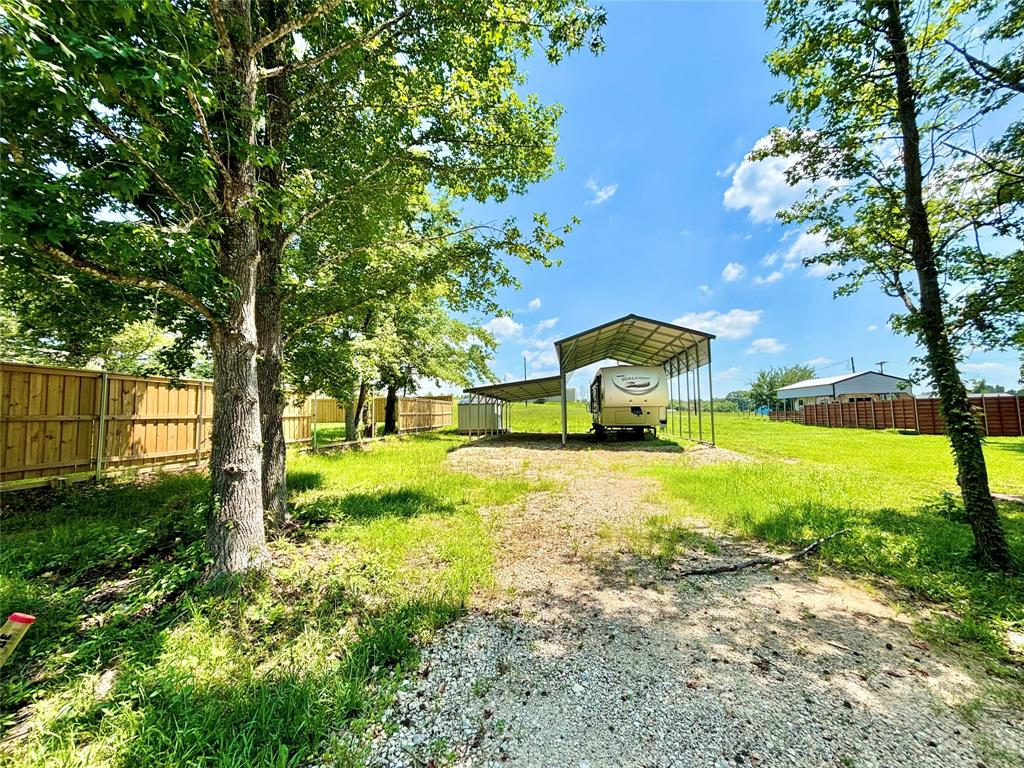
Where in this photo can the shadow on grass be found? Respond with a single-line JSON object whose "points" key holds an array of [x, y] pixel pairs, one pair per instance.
{"points": [[401, 502], [304, 480], [165, 711], [1017, 446], [151, 668], [575, 442]]}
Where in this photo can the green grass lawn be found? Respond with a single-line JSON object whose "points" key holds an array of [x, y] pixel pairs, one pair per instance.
{"points": [[133, 662]]}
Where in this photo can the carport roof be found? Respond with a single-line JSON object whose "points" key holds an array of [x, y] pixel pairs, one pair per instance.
{"points": [[635, 340], [520, 391]]}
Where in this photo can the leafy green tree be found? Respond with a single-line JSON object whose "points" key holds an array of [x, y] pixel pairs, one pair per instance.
{"points": [[140, 145], [877, 128], [742, 399], [765, 386], [414, 96]]}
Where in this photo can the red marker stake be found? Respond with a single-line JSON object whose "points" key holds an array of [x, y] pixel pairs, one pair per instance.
{"points": [[15, 628]]}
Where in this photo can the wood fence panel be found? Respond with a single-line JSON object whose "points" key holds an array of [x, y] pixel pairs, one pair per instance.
{"points": [[298, 421], [50, 421], [45, 421], [422, 413], [329, 411], [997, 416]]}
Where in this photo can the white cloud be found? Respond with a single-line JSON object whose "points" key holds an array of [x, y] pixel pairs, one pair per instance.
{"points": [[504, 327], [705, 290], [733, 271], [534, 305], [734, 324], [872, 327], [600, 193], [818, 361], [540, 359], [761, 186], [768, 346], [730, 374], [771, 277], [988, 367], [543, 325], [804, 245]]}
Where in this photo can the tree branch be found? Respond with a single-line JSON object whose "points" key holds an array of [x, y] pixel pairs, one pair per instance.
{"points": [[207, 139], [295, 24], [137, 281], [222, 30], [767, 560], [989, 72], [315, 61], [117, 138]]}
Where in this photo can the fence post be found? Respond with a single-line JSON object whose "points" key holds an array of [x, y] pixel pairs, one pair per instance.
{"points": [[873, 424], [199, 422], [101, 435], [1020, 426], [892, 414], [984, 413], [917, 420]]}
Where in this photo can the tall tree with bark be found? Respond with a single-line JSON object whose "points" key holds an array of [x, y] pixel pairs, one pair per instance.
{"points": [[378, 102], [132, 151], [876, 130]]}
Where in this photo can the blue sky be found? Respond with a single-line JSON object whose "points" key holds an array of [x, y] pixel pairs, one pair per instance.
{"points": [[676, 226]]}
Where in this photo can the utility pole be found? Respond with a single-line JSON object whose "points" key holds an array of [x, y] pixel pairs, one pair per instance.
{"points": [[853, 368], [881, 365]]}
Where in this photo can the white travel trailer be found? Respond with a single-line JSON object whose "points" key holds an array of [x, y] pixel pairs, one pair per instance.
{"points": [[632, 397]]}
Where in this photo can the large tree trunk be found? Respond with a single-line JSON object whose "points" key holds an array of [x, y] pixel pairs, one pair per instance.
{"points": [[359, 407], [991, 548], [271, 395], [268, 306], [351, 421], [391, 410], [235, 535]]}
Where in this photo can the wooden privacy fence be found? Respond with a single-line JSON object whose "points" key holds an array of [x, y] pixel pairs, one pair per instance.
{"points": [[997, 416], [64, 422]]}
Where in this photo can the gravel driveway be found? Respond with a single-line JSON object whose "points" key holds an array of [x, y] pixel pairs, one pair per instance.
{"points": [[587, 655]]}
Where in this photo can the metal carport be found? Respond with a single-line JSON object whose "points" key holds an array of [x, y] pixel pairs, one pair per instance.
{"points": [[634, 340]]}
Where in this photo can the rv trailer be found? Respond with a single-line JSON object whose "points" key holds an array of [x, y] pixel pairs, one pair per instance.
{"points": [[629, 397]]}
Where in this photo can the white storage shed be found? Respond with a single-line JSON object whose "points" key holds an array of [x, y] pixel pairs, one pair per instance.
{"points": [[847, 388]]}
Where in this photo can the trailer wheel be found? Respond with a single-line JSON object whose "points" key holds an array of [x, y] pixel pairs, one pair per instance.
{"points": [[600, 432]]}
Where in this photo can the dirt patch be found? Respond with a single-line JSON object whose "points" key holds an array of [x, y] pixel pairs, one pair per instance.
{"points": [[589, 656]]}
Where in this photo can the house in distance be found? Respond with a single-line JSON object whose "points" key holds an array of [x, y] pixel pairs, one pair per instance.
{"points": [[846, 388]]}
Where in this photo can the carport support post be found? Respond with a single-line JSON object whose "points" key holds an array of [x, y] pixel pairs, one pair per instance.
{"points": [[670, 423], [711, 396], [677, 415], [686, 374], [700, 411], [565, 413]]}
